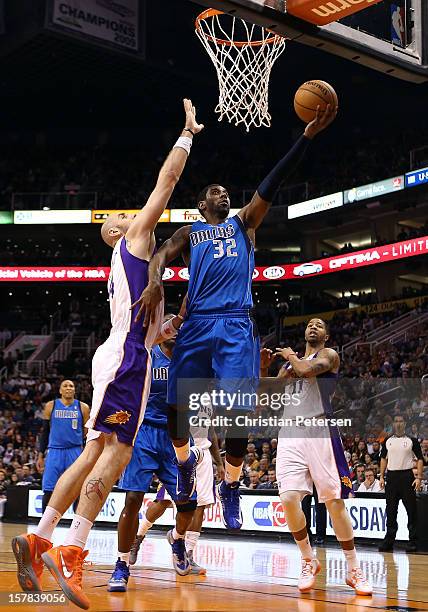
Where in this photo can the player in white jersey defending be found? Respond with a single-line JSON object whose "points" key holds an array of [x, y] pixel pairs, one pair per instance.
{"points": [[314, 454], [121, 380]]}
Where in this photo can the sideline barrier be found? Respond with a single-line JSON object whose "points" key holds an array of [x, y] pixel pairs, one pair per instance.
{"points": [[262, 512]]}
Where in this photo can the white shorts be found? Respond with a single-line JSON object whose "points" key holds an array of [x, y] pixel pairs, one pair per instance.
{"points": [[121, 377], [311, 459], [205, 484]]}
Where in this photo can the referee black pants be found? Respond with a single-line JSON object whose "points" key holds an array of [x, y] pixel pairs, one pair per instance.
{"points": [[320, 514], [399, 486]]}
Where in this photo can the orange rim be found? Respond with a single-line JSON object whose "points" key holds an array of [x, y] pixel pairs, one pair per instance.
{"points": [[254, 43]]}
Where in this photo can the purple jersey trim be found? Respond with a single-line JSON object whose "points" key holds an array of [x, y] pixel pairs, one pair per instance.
{"points": [[137, 275], [124, 394]]}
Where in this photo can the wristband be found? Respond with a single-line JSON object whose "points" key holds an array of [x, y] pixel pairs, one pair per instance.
{"points": [[189, 130], [184, 143], [168, 330]]}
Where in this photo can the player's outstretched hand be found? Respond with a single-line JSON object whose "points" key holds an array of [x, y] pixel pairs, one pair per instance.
{"points": [[266, 358], [321, 121], [285, 353], [148, 301], [191, 122]]}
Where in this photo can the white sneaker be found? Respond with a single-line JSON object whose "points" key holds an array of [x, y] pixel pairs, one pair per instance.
{"points": [[310, 568], [356, 580]]}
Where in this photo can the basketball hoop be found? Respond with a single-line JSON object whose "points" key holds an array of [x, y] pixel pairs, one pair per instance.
{"points": [[243, 55]]}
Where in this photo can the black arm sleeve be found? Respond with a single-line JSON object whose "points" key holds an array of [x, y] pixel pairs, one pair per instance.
{"points": [[44, 436], [384, 450], [416, 448], [269, 186]]}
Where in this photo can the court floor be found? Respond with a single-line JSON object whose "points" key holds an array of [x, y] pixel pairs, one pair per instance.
{"points": [[242, 573]]}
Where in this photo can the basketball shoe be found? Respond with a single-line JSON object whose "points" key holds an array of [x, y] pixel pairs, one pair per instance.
{"points": [[118, 582], [65, 563], [230, 504], [186, 474], [135, 549], [194, 567], [28, 549], [180, 559], [310, 568], [356, 580]]}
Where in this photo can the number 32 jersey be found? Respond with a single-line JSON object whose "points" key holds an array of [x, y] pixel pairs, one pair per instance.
{"points": [[221, 267]]}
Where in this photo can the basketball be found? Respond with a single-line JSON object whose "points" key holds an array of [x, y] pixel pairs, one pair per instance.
{"points": [[310, 95]]}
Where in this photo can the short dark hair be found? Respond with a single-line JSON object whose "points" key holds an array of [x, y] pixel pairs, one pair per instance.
{"points": [[326, 325], [202, 195], [369, 469]]}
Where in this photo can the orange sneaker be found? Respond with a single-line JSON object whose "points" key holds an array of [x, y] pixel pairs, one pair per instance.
{"points": [[28, 549], [65, 563]]}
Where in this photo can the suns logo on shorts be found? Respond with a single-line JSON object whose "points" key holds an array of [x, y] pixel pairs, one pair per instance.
{"points": [[119, 417], [346, 481]]}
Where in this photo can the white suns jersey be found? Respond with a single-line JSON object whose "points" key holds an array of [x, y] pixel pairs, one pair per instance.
{"points": [[311, 397], [200, 434], [128, 279]]}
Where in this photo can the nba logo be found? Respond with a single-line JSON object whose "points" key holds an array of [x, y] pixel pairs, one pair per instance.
{"points": [[278, 516], [398, 29]]}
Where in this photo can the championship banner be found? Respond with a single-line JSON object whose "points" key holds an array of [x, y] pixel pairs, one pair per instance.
{"points": [[111, 21], [348, 261]]}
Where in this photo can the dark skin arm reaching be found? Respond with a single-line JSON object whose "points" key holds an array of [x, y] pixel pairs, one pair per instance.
{"points": [[153, 294], [253, 213]]}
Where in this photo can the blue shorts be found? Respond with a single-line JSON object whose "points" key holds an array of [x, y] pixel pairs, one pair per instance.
{"points": [[222, 346], [153, 454], [57, 461]]}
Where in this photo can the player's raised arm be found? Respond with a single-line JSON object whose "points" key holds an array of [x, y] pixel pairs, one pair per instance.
{"points": [[253, 213], [169, 175], [326, 361], [152, 295]]}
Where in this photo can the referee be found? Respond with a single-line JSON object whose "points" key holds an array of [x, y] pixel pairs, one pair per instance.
{"points": [[397, 454]]}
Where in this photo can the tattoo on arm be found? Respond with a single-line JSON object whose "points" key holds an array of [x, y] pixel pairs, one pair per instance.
{"points": [[95, 485]]}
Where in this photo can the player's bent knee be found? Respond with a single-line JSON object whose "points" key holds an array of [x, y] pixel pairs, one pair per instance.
{"points": [[189, 506], [236, 447], [133, 500], [291, 498], [335, 506]]}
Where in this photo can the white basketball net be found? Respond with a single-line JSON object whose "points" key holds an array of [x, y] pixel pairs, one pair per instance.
{"points": [[243, 67]]}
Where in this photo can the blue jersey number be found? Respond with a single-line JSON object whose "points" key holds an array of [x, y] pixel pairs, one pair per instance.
{"points": [[219, 248]]}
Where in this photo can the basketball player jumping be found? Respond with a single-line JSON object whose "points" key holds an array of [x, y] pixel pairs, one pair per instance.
{"points": [[310, 455], [63, 435], [121, 379], [218, 339]]}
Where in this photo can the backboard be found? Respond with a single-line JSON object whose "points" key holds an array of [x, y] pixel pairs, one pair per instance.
{"points": [[391, 36]]}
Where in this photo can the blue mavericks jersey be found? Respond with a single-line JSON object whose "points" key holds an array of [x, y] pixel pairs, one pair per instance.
{"points": [[221, 267], [157, 407], [66, 425]]}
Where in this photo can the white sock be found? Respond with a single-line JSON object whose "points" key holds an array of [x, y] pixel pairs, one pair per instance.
{"points": [[176, 535], [47, 523], [145, 525], [351, 559], [182, 452], [124, 557], [191, 540], [78, 532], [232, 472], [305, 548]]}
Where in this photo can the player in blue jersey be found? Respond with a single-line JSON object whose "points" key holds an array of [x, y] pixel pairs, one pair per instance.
{"points": [[63, 435], [153, 454], [218, 339]]}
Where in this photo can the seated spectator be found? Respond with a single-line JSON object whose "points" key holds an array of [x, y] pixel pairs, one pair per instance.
{"points": [[375, 454], [254, 480], [370, 483], [271, 480], [359, 477]]}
